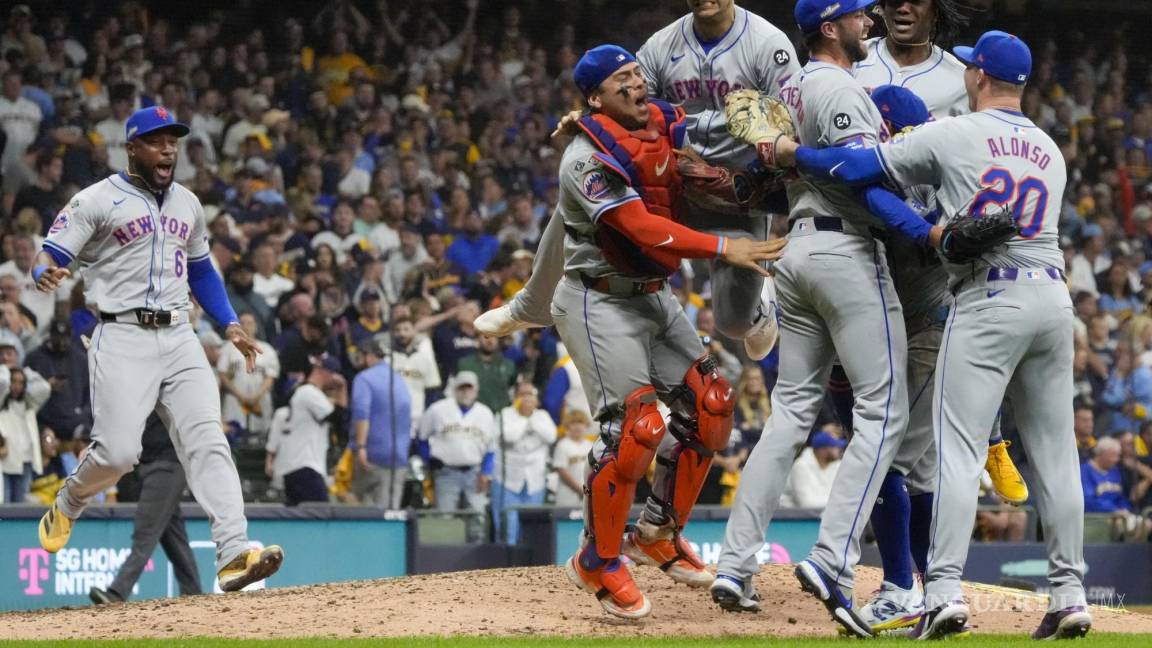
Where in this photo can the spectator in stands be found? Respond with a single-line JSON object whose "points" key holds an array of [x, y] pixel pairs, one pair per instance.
{"points": [[299, 452], [457, 438], [564, 392], [39, 305], [496, 373], [1105, 492], [810, 482], [456, 338], [266, 282], [1117, 298], [20, 119], [570, 459], [381, 430], [994, 522], [369, 320], [245, 300], [43, 195], [706, 327], [413, 360], [248, 395], [1128, 393], [47, 482], [65, 366], [1084, 427], [526, 433], [22, 393], [409, 255]]}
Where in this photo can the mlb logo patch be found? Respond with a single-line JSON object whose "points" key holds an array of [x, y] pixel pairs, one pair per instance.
{"points": [[802, 226], [1033, 274], [60, 224], [595, 185]]}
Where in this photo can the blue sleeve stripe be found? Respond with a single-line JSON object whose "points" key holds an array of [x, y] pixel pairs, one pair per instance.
{"points": [[615, 203], [720, 245], [199, 258], [56, 251]]}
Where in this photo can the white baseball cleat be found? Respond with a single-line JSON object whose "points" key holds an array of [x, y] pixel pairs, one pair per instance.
{"points": [[893, 608], [499, 322], [734, 595], [760, 339]]}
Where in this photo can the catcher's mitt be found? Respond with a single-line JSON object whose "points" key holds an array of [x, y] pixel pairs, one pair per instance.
{"points": [[758, 120], [712, 187], [967, 236]]}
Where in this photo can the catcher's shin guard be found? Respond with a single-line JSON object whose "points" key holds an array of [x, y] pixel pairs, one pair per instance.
{"points": [[701, 421], [611, 484]]}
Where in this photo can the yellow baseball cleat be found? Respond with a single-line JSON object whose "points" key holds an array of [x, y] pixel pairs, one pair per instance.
{"points": [[55, 529], [251, 566], [1006, 479]]}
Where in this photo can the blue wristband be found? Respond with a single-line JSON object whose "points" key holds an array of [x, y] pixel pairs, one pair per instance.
{"points": [[40, 270]]}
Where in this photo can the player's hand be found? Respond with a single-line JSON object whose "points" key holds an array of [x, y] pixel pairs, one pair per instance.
{"points": [[244, 344], [482, 483], [52, 278], [747, 253], [568, 126], [362, 458]]}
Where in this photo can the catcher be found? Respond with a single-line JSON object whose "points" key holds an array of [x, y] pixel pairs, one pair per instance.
{"points": [[1009, 332], [627, 333]]}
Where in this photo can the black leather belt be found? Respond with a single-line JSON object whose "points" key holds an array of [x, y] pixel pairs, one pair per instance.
{"points": [[834, 224], [143, 317], [622, 285]]}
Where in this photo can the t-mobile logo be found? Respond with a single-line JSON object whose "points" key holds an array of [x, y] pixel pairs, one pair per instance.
{"points": [[33, 569]]}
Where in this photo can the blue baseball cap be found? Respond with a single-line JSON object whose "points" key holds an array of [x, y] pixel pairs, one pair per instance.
{"points": [[153, 118], [598, 64], [900, 106], [1000, 55], [823, 439], [810, 14]]}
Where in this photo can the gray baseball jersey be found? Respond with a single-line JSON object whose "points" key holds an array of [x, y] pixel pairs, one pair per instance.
{"points": [[830, 108], [938, 80], [753, 54], [587, 190], [983, 161], [1009, 334], [133, 252]]}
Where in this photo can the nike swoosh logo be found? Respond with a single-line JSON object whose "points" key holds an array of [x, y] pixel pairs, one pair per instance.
{"points": [[661, 168], [117, 202], [677, 58], [832, 171], [665, 242], [993, 293]]}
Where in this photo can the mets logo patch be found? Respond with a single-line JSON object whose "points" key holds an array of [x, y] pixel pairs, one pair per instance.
{"points": [[60, 224], [595, 185]]}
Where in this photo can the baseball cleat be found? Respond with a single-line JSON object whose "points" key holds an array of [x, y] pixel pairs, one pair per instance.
{"points": [[1006, 479], [948, 620], [816, 583], [760, 339], [734, 595], [893, 608], [249, 567], [612, 585], [55, 529], [103, 597], [499, 322], [666, 548], [1069, 623]]}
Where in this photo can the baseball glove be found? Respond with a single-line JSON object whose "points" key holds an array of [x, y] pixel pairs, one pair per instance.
{"points": [[967, 236], [758, 120], [712, 187]]}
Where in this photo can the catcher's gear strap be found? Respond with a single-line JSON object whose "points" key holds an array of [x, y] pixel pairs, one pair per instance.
{"points": [[611, 485], [702, 408]]}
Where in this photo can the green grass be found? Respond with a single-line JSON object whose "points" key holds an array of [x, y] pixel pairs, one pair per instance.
{"points": [[1098, 640]]}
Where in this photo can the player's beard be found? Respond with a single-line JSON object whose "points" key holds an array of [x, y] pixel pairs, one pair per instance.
{"points": [[855, 50]]}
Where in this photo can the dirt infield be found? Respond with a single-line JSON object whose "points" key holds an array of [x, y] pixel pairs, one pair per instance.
{"points": [[523, 602]]}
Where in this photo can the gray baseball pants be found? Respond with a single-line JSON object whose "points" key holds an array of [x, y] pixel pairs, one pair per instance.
{"points": [[135, 370]]}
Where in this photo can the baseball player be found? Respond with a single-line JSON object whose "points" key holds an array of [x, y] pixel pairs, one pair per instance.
{"points": [[1009, 331], [628, 335], [693, 62], [141, 242], [837, 298]]}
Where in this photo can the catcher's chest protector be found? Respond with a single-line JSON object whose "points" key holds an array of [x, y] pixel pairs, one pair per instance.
{"points": [[643, 158]]}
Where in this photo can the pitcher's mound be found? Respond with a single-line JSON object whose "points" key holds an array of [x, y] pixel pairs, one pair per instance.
{"points": [[522, 601]]}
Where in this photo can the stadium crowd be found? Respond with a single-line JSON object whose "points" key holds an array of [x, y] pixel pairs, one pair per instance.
{"points": [[378, 173]]}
